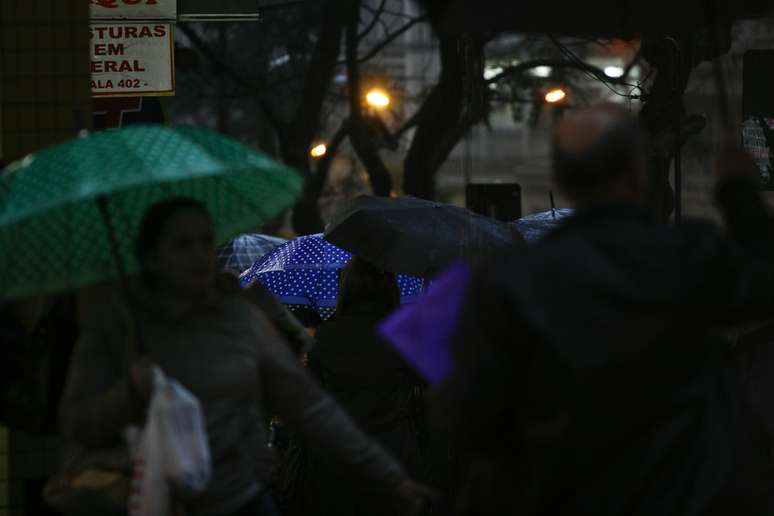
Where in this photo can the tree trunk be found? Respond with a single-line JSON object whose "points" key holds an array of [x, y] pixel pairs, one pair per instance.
{"points": [[664, 115], [302, 130], [306, 215], [381, 181], [442, 119]]}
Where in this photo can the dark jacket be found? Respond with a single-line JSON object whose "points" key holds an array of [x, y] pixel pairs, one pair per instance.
{"points": [[594, 362], [377, 390], [360, 370], [225, 352]]}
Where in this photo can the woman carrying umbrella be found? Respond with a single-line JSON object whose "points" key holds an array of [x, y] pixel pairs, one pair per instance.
{"points": [[369, 380], [202, 331]]}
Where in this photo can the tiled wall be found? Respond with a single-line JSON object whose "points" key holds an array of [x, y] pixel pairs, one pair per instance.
{"points": [[44, 73], [44, 99], [4, 477]]}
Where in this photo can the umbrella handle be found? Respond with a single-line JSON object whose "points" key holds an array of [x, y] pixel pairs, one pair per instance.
{"points": [[134, 343]]}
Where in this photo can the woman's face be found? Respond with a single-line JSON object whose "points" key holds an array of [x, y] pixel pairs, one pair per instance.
{"points": [[184, 259]]}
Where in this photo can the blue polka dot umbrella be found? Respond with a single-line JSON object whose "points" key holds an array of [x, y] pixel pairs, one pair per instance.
{"points": [[304, 272]]}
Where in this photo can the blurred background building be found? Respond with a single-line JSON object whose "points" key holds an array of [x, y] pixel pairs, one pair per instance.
{"points": [[513, 144]]}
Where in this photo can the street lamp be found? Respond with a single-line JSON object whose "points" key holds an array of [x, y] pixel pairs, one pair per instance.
{"points": [[377, 98], [555, 96], [614, 71], [542, 71], [318, 150]]}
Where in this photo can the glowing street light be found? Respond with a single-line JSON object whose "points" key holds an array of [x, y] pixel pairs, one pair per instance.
{"points": [[614, 71], [542, 71], [555, 95], [318, 150], [378, 99]]}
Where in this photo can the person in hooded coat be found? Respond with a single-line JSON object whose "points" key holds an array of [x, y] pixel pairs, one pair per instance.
{"points": [[591, 372], [369, 381]]}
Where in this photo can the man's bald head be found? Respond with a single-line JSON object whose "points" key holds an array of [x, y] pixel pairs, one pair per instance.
{"points": [[596, 151]]}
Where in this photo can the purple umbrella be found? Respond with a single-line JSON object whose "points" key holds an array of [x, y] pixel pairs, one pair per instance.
{"points": [[421, 332]]}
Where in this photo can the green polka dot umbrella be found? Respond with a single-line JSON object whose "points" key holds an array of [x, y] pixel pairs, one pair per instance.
{"points": [[53, 236]]}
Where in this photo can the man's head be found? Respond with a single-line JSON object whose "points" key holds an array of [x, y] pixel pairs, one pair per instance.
{"points": [[599, 156]]}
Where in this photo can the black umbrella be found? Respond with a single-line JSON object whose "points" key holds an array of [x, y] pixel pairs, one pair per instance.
{"points": [[417, 237]]}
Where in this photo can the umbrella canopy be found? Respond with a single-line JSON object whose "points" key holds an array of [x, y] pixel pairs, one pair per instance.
{"points": [[305, 272], [414, 236], [53, 235], [600, 18], [535, 226], [239, 254]]}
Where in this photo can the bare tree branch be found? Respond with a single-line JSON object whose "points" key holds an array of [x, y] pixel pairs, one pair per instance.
{"points": [[397, 14], [410, 123], [389, 39], [377, 14], [306, 217], [442, 120], [392, 37], [511, 99], [266, 108], [381, 182], [332, 148], [554, 63], [303, 128], [507, 72]]}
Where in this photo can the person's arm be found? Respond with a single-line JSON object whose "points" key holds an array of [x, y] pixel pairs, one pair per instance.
{"points": [[99, 401], [312, 413], [327, 429], [281, 317]]}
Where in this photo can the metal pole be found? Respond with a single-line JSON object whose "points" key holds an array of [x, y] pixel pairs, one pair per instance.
{"points": [[678, 181], [717, 69], [468, 160], [678, 158]]}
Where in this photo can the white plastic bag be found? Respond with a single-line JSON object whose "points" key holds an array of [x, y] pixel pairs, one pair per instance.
{"points": [[172, 447]]}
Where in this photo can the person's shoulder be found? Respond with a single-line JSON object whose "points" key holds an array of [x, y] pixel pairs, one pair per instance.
{"points": [[227, 283], [231, 292]]}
